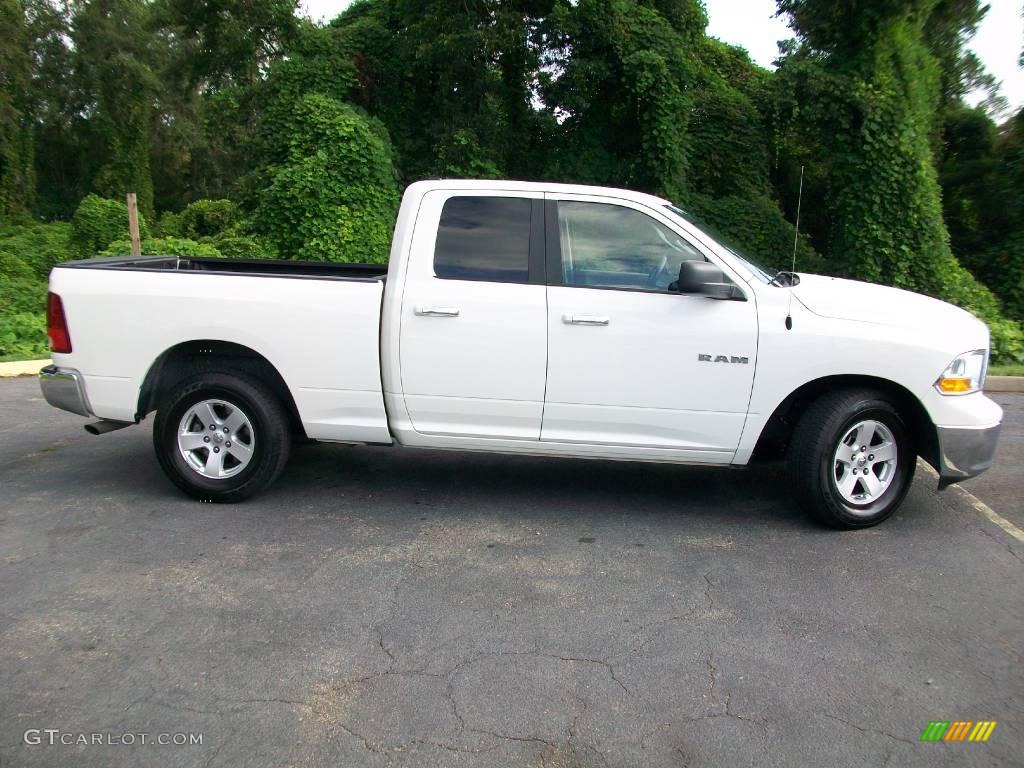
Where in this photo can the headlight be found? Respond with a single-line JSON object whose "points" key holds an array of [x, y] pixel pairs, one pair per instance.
{"points": [[966, 374]]}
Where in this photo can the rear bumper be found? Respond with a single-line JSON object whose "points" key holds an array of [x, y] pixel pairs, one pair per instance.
{"points": [[965, 452], [63, 388]]}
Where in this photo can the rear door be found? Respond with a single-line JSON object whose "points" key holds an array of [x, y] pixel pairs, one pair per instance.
{"points": [[631, 361], [473, 338]]}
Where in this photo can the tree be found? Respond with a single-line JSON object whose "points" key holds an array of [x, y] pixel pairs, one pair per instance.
{"points": [[983, 183], [619, 79], [63, 160], [211, 59], [971, 194], [871, 88], [115, 91], [451, 80], [948, 28], [868, 83], [330, 191], [17, 177], [217, 45]]}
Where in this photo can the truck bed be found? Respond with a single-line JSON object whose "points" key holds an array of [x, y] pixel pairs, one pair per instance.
{"points": [[318, 322], [320, 270]]}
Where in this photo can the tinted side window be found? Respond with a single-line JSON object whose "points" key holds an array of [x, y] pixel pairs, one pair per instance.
{"points": [[611, 246], [484, 238]]}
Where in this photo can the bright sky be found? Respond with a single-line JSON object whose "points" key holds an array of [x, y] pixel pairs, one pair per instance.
{"points": [[752, 24]]}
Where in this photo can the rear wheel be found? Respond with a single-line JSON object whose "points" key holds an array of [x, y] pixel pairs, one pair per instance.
{"points": [[221, 436], [851, 459]]}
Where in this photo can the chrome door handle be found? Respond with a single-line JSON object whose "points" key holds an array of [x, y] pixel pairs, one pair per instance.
{"points": [[585, 320], [437, 311]]}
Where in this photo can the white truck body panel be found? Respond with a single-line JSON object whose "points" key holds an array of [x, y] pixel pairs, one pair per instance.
{"points": [[819, 347], [321, 335], [524, 367], [479, 373], [594, 394]]}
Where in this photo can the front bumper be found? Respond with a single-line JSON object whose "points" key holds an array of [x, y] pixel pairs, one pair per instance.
{"points": [[63, 388], [965, 452]]}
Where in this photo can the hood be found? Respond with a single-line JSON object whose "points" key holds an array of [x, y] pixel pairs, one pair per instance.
{"points": [[869, 303]]}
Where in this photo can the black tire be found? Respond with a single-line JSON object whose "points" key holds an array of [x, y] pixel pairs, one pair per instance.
{"points": [[270, 433], [813, 468]]}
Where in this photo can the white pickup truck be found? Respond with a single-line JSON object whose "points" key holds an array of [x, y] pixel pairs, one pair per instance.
{"points": [[513, 317]]}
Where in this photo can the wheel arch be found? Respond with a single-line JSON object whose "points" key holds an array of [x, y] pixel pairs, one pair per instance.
{"points": [[774, 438], [188, 358]]}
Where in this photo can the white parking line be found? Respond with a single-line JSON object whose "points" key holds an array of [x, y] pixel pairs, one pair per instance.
{"points": [[992, 515], [981, 506]]}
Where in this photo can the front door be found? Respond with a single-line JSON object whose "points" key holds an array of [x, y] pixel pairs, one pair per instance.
{"points": [[632, 362], [473, 339]]}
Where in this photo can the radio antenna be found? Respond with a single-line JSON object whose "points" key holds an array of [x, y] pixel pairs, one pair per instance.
{"points": [[796, 240]]}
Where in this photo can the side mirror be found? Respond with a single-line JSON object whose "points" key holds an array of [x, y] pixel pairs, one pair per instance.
{"points": [[705, 279]]}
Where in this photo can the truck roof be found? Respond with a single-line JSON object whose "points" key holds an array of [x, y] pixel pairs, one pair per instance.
{"points": [[509, 185]]}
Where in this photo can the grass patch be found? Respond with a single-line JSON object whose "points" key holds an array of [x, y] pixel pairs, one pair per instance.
{"points": [[1013, 369]]}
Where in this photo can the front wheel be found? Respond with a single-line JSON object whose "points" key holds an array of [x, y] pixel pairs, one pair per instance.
{"points": [[851, 459], [221, 436]]}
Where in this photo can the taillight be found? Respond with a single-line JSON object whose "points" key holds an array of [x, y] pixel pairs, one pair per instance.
{"points": [[57, 325]]}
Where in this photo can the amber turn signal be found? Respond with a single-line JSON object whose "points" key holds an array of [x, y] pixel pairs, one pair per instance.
{"points": [[953, 386]]}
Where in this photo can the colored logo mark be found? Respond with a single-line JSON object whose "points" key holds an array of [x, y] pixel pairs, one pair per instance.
{"points": [[958, 730]]}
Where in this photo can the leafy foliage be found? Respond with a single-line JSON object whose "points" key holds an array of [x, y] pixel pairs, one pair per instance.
{"points": [[948, 27], [982, 172], [756, 225], [162, 246], [116, 86], [23, 315], [336, 205], [871, 105], [869, 85], [22, 334], [203, 218], [242, 246], [17, 175], [12, 266], [963, 289], [624, 77], [216, 224], [229, 42], [451, 80], [64, 153], [98, 222], [27, 253], [37, 246]]}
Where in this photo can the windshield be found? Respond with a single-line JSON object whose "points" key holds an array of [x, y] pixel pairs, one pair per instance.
{"points": [[758, 269]]}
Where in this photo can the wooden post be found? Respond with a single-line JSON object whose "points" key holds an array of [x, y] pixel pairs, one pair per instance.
{"points": [[133, 224]]}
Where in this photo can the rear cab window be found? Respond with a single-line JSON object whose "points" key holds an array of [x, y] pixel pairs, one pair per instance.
{"points": [[484, 238]]}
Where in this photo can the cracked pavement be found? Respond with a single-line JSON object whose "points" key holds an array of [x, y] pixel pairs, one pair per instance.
{"points": [[392, 607]]}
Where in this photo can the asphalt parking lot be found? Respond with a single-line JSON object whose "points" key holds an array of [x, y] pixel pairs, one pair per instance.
{"points": [[396, 607]]}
